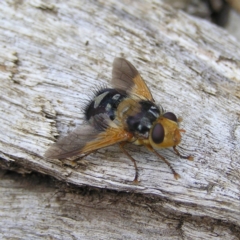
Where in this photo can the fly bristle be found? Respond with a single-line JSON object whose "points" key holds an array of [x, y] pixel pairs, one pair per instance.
{"points": [[94, 92], [98, 89]]}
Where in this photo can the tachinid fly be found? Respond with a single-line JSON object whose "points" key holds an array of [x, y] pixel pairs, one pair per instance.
{"points": [[125, 113]]}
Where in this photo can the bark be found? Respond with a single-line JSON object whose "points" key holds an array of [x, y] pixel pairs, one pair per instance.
{"points": [[54, 55]]}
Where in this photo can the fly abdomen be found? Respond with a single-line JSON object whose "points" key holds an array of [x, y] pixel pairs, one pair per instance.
{"points": [[105, 101]]}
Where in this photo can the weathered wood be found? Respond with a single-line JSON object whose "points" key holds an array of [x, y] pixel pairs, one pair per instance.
{"points": [[42, 208], [53, 55]]}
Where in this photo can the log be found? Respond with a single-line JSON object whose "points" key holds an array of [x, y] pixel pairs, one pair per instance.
{"points": [[53, 56], [39, 206]]}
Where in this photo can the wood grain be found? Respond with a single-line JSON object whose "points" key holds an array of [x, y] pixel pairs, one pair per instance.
{"points": [[44, 208], [53, 56]]}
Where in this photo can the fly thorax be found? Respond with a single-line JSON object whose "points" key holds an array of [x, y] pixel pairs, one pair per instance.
{"points": [[141, 122]]}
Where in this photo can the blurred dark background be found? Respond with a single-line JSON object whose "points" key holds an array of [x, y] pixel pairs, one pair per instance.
{"points": [[224, 13]]}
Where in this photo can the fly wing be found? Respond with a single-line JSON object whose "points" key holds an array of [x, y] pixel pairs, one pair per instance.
{"points": [[86, 139], [109, 137], [72, 144], [125, 77]]}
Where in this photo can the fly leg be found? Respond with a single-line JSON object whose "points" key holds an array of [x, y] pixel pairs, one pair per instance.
{"points": [[85, 155], [76, 161], [176, 175], [121, 145], [190, 158]]}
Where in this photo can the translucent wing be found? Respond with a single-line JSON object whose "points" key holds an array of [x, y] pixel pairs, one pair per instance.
{"points": [[126, 77], [107, 138], [72, 144], [86, 139]]}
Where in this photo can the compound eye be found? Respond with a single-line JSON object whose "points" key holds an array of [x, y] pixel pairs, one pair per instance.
{"points": [[170, 116], [158, 133]]}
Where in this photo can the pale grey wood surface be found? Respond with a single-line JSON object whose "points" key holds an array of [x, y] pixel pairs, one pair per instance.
{"points": [[54, 55], [36, 207]]}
